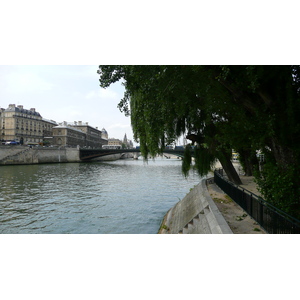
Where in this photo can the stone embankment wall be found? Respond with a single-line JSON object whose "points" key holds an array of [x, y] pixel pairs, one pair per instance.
{"points": [[195, 213], [20, 155]]}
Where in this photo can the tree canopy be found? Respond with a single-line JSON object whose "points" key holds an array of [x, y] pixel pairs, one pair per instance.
{"points": [[220, 108]]}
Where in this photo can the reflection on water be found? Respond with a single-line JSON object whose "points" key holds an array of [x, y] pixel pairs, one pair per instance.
{"points": [[124, 196]]}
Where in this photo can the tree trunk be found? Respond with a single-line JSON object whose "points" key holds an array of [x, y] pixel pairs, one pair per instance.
{"points": [[248, 161], [283, 155], [228, 167]]}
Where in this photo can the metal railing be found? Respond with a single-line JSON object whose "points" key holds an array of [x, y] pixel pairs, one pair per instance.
{"points": [[270, 218]]}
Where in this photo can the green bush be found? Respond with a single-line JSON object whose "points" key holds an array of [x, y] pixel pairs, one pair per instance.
{"points": [[280, 187]]}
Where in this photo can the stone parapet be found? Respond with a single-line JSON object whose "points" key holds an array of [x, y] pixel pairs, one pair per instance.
{"points": [[195, 213]]}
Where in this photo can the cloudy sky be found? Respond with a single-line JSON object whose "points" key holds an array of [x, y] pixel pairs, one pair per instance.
{"points": [[65, 93]]}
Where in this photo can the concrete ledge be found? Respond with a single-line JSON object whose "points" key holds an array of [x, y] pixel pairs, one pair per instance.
{"points": [[19, 155], [195, 213]]}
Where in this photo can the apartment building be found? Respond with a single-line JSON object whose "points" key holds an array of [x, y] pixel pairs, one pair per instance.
{"points": [[27, 126], [114, 142], [66, 136], [94, 137], [23, 125], [78, 134]]}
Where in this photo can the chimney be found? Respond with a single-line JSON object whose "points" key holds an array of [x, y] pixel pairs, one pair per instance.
{"points": [[32, 109], [79, 122], [20, 106]]}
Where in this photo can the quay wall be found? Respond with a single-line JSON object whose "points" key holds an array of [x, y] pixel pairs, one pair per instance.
{"points": [[196, 213], [21, 155]]}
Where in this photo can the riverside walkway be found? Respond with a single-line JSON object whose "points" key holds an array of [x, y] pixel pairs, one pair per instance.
{"points": [[207, 209]]}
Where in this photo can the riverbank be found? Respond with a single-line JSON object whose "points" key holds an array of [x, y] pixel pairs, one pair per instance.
{"points": [[235, 217], [23, 155]]}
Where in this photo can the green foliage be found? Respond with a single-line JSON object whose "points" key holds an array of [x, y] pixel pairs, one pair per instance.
{"points": [[186, 161], [165, 227], [246, 108], [280, 188], [204, 160]]}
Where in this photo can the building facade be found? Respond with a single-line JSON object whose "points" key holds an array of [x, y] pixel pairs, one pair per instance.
{"points": [[1, 124], [48, 125], [67, 136], [93, 134], [27, 126], [125, 144], [77, 134], [23, 125], [114, 142]]}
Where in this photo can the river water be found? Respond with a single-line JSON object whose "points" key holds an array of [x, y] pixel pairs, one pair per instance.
{"points": [[123, 196]]}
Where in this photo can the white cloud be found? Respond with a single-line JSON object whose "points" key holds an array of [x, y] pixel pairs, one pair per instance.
{"points": [[27, 82], [75, 113], [118, 131], [90, 95], [102, 94], [119, 125]]}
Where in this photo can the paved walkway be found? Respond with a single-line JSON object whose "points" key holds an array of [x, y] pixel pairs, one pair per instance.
{"points": [[237, 219]]}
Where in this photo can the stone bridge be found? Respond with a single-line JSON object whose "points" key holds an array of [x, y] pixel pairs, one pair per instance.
{"points": [[88, 154]]}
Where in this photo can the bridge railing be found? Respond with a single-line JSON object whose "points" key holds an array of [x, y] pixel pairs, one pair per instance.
{"points": [[272, 219]]}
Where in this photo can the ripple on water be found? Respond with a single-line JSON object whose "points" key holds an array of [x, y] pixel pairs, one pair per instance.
{"points": [[125, 196]]}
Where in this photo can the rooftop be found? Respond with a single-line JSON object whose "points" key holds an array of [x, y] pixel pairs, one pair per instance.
{"points": [[19, 108]]}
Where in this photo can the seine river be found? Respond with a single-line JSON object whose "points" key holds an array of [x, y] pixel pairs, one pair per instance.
{"points": [[123, 196]]}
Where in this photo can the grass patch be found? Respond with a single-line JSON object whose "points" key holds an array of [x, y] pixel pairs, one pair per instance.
{"points": [[228, 199], [165, 227], [225, 200], [219, 200]]}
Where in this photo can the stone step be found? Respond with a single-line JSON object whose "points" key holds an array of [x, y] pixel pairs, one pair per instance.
{"points": [[198, 223], [195, 226], [204, 221], [191, 228], [185, 230]]}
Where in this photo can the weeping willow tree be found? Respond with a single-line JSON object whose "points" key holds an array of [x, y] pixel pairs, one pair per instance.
{"points": [[146, 119], [166, 102], [246, 108], [204, 160]]}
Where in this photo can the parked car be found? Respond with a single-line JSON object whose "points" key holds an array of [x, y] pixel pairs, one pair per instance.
{"points": [[12, 143]]}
